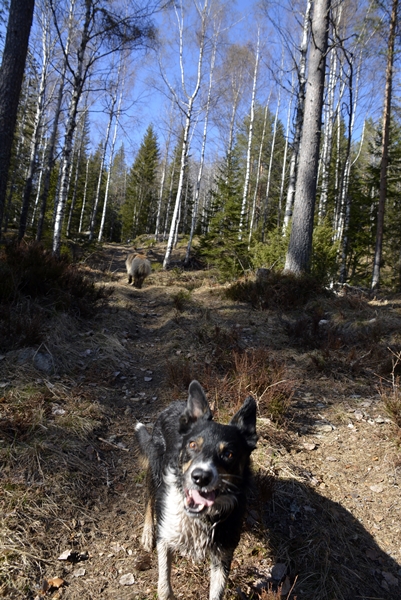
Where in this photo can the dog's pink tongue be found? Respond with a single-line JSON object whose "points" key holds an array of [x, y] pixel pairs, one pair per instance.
{"points": [[205, 498]]}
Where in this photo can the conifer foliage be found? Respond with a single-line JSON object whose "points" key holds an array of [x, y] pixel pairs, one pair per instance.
{"points": [[140, 207]]}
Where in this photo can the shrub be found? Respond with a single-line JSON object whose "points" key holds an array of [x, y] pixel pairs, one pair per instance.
{"points": [[35, 282], [324, 253], [277, 291]]}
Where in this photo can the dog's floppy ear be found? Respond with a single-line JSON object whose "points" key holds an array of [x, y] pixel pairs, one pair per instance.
{"points": [[245, 420], [197, 406]]}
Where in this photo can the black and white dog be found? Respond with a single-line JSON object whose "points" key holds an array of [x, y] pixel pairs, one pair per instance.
{"points": [[198, 473]]}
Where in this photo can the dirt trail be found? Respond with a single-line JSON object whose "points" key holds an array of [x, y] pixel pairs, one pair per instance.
{"points": [[332, 517]]}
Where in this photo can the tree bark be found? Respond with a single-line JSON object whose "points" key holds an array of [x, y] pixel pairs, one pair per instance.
{"points": [[298, 118], [384, 151], [11, 75], [300, 245]]}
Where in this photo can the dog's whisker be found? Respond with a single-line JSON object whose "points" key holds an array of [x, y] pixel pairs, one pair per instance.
{"points": [[229, 484]]}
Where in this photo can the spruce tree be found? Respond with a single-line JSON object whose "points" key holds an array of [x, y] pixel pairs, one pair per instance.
{"points": [[221, 245], [139, 210]]}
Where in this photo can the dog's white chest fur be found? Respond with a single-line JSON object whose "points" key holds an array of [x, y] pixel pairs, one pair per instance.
{"points": [[190, 536]]}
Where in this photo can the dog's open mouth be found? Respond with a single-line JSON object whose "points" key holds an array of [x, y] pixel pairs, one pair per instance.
{"points": [[196, 500]]}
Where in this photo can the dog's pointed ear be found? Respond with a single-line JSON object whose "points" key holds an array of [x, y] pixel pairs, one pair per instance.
{"points": [[245, 420], [197, 406]]}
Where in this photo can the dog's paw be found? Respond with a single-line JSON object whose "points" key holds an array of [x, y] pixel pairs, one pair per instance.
{"points": [[148, 539]]}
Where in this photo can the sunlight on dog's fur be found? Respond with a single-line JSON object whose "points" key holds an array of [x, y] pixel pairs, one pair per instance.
{"points": [[198, 473], [138, 267]]}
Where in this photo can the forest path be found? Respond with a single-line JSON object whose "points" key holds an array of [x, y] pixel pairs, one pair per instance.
{"points": [[332, 515]]}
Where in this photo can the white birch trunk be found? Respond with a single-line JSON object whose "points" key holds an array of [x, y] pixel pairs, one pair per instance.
{"points": [[112, 147], [78, 82], [250, 137], [100, 177], [81, 219], [283, 171], [270, 169], [329, 119], [53, 136], [202, 157], [187, 106], [74, 192], [163, 182], [37, 126], [258, 172]]}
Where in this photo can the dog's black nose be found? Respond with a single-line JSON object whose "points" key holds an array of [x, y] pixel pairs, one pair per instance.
{"points": [[201, 477]]}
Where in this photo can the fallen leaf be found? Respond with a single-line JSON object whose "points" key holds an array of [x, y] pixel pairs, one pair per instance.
{"points": [[56, 582]]}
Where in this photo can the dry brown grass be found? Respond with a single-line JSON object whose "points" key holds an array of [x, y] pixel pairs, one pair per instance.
{"points": [[44, 431], [247, 373], [57, 468]]}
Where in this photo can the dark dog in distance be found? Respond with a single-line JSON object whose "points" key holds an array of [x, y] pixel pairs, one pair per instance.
{"points": [[138, 267], [198, 474]]}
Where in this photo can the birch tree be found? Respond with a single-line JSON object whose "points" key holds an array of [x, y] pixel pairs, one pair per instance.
{"points": [[39, 115], [250, 135], [49, 160], [300, 246], [111, 155], [102, 32], [258, 173], [186, 102], [204, 138]]}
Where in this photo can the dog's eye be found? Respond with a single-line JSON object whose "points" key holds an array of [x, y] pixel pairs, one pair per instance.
{"points": [[227, 455], [193, 445]]}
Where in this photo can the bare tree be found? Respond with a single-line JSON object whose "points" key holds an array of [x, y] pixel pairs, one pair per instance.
{"points": [[102, 32], [120, 84], [186, 103], [300, 245], [49, 159], [250, 136], [204, 138]]}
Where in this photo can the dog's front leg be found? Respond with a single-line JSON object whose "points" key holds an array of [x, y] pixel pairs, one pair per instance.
{"points": [[148, 533], [219, 570], [164, 557]]}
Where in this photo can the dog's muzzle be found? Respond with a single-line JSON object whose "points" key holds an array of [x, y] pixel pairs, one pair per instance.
{"points": [[200, 497], [197, 500]]}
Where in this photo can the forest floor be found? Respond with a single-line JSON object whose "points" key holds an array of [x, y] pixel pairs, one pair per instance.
{"points": [[325, 512]]}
